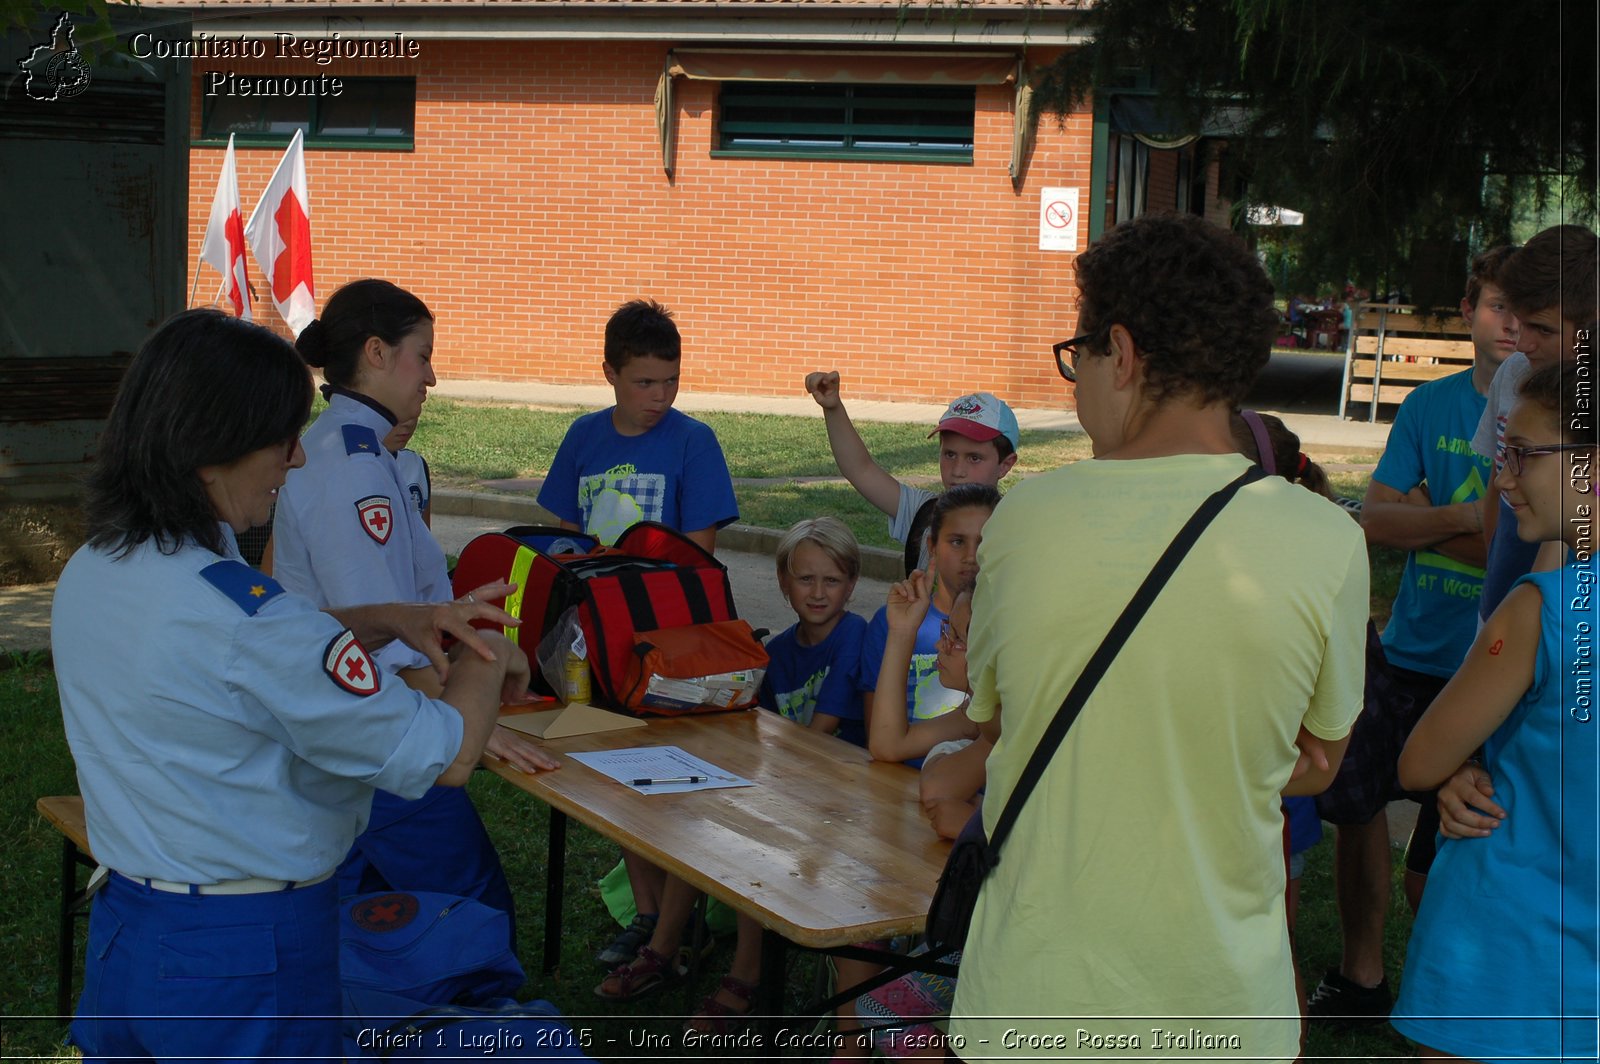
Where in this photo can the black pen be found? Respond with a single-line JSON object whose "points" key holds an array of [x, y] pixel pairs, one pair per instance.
{"points": [[672, 779]]}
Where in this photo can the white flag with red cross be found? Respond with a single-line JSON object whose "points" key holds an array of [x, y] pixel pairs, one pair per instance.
{"points": [[223, 247], [280, 234]]}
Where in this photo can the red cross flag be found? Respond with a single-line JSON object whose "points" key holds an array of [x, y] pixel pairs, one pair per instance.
{"points": [[280, 234], [223, 247]]}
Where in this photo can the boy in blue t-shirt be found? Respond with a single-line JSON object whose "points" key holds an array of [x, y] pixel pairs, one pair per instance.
{"points": [[811, 681], [811, 677], [641, 460]]}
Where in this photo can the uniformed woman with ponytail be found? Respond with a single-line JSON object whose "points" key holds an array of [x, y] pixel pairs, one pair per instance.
{"points": [[345, 532]]}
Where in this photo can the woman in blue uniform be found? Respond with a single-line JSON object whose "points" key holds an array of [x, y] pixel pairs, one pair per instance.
{"points": [[346, 532], [228, 735]]}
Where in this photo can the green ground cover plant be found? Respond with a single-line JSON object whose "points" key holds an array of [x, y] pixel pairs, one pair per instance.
{"points": [[469, 443]]}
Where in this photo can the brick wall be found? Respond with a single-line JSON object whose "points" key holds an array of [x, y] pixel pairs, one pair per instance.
{"points": [[535, 202], [1161, 185]]}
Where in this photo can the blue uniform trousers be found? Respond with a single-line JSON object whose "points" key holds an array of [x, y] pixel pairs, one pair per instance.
{"points": [[213, 977], [436, 843]]}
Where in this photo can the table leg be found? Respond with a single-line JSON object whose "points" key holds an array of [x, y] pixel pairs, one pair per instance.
{"points": [[769, 992], [555, 872], [69, 889]]}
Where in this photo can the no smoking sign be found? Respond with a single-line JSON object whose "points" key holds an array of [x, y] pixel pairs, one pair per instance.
{"points": [[1058, 219]]}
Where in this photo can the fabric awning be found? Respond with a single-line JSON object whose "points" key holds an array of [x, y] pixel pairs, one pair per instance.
{"points": [[862, 68]]}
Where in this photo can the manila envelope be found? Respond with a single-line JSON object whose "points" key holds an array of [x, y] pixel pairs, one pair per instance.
{"points": [[575, 719]]}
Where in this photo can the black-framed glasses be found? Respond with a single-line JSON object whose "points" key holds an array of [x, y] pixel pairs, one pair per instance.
{"points": [[1515, 456], [1067, 366], [947, 632]]}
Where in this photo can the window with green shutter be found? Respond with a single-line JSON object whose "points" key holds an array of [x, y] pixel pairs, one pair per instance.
{"points": [[925, 123], [375, 113]]}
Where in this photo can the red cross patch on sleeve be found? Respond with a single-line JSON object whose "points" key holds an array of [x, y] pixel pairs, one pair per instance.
{"points": [[349, 665], [377, 519]]}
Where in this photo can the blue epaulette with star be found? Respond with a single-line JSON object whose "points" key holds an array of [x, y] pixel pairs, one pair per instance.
{"points": [[250, 589], [358, 439]]}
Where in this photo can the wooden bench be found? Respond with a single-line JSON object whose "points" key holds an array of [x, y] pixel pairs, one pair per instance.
{"points": [[1391, 350], [63, 388], [65, 814]]}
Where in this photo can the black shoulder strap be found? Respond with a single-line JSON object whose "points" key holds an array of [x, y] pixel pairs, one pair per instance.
{"points": [[919, 528], [1109, 647]]}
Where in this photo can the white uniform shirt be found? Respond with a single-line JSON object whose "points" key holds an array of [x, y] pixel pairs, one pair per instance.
{"points": [[211, 736], [346, 532], [412, 470]]}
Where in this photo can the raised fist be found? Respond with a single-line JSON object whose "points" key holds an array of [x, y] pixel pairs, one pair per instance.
{"points": [[824, 388]]}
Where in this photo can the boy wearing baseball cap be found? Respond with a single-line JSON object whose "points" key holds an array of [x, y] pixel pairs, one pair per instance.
{"points": [[978, 440]]}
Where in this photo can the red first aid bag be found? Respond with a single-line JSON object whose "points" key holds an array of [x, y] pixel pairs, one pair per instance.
{"points": [[652, 578], [698, 668]]}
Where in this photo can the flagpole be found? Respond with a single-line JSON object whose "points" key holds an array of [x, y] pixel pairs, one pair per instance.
{"points": [[196, 286]]}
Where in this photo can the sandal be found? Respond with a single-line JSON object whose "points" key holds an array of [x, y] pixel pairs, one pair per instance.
{"points": [[625, 946], [649, 971], [713, 1017]]}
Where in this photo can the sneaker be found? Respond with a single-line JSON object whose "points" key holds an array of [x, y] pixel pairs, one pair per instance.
{"points": [[625, 946], [1354, 506], [1340, 1003]]}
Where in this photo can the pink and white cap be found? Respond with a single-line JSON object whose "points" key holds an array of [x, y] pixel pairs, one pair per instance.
{"points": [[980, 416]]}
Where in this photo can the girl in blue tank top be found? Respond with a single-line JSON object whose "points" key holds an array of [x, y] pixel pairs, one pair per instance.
{"points": [[1503, 959]]}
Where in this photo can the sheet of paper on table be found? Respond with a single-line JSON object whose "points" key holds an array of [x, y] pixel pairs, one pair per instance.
{"points": [[629, 766]]}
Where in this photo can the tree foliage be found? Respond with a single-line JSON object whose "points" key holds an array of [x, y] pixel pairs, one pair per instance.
{"points": [[93, 32], [1404, 130]]}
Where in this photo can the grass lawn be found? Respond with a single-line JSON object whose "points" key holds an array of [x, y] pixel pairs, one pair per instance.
{"points": [[37, 763], [468, 443]]}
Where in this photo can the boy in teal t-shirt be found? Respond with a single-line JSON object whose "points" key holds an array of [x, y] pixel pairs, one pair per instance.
{"points": [[1436, 605]]}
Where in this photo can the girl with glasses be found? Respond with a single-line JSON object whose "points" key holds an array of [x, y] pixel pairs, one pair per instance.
{"points": [[1507, 930]]}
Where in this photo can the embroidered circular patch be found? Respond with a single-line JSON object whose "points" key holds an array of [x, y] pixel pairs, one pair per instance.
{"points": [[385, 912]]}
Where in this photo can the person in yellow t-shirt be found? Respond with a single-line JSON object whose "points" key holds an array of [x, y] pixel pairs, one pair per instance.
{"points": [[1137, 908]]}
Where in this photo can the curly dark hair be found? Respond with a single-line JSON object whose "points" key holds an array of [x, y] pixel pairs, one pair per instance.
{"points": [[205, 389], [1195, 300]]}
